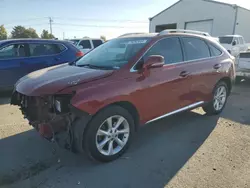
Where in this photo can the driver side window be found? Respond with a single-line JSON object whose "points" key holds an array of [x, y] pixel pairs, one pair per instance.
{"points": [[169, 48]]}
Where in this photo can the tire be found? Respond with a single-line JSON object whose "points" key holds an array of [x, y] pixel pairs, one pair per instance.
{"points": [[211, 108], [101, 124]]}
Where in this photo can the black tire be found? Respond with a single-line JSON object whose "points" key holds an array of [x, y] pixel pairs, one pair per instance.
{"points": [[89, 136], [209, 108]]}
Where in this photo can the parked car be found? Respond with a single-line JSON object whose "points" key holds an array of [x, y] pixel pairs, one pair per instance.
{"points": [[87, 44], [22, 56], [102, 99], [243, 67], [235, 44]]}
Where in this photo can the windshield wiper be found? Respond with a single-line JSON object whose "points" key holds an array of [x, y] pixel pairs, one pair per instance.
{"points": [[95, 66]]}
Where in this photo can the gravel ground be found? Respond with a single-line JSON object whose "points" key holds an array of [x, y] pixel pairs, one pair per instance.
{"points": [[186, 150]]}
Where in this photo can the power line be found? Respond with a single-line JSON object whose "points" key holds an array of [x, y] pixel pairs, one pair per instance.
{"points": [[102, 20], [24, 20], [85, 25]]}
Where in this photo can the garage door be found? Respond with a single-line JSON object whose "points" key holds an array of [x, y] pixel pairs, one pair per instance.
{"points": [[205, 26]]}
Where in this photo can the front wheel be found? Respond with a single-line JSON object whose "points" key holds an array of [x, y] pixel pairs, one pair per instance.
{"points": [[109, 134], [220, 95]]}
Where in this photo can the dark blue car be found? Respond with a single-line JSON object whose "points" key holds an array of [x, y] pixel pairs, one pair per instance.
{"points": [[22, 56]]}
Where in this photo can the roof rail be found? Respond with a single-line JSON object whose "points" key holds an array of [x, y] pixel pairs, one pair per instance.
{"points": [[167, 31], [130, 34]]}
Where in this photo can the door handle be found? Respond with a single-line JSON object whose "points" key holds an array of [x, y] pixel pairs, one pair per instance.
{"points": [[217, 66], [184, 74]]}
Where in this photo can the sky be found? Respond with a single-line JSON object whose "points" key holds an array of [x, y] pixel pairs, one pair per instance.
{"points": [[80, 18]]}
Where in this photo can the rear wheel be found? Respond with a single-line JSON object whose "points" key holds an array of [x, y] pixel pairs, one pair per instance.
{"points": [[220, 95], [109, 134]]}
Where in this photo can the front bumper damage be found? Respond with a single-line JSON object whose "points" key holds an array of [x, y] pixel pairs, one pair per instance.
{"points": [[59, 127]]}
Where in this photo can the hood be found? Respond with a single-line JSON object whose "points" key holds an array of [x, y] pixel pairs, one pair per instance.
{"points": [[53, 79]]}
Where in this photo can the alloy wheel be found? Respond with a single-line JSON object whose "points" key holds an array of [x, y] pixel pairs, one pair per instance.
{"points": [[112, 135], [220, 97]]}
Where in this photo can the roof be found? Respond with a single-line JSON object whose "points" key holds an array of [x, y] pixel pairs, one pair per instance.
{"points": [[30, 40], [139, 35], [231, 36], [211, 1]]}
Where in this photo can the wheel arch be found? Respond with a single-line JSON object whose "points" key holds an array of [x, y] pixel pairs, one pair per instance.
{"points": [[130, 108], [228, 81]]}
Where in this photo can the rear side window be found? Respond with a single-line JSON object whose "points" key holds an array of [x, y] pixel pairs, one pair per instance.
{"points": [[61, 47], [169, 48], [85, 44], [195, 48], [41, 49], [214, 51], [97, 43], [13, 51]]}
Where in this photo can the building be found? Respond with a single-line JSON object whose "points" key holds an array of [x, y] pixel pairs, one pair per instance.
{"points": [[209, 16]]}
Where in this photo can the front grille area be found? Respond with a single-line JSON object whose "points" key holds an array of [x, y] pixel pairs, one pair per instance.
{"points": [[35, 109]]}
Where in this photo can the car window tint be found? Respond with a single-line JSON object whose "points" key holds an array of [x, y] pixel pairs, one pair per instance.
{"points": [[169, 48], [13, 50], [61, 47], [195, 48], [214, 51], [97, 43], [43, 49], [85, 44]]}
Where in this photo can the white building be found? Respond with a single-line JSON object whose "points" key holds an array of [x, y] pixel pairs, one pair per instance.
{"points": [[209, 16]]}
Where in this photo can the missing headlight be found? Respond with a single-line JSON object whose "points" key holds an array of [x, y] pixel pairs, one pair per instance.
{"points": [[61, 103]]}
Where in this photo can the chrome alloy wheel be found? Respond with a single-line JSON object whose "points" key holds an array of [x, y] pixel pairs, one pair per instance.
{"points": [[112, 135], [220, 97]]}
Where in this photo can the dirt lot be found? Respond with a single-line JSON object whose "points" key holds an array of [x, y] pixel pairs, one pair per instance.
{"points": [[186, 150]]}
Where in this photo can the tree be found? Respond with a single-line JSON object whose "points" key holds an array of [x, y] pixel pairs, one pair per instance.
{"points": [[46, 35], [22, 32], [103, 38], [3, 32]]}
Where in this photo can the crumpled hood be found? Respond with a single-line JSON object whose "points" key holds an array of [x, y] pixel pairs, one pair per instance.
{"points": [[53, 79]]}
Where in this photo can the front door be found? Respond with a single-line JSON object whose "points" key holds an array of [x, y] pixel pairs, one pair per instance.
{"points": [[12, 58], [163, 89]]}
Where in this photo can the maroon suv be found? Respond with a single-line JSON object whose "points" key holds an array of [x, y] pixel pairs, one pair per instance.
{"points": [[97, 103]]}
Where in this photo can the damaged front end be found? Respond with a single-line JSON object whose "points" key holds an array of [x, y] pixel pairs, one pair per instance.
{"points": [[51, 116]]}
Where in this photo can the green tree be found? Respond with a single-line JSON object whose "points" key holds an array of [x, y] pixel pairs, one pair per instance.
{"points": [[46, 35], [103, 38], [3, 32], [22, 32]]}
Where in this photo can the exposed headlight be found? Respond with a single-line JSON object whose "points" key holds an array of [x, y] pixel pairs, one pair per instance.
{"points": [[58, 106]]}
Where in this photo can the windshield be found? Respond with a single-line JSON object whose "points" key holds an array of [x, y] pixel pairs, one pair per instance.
{"points": [[226, 40], [114, 53], [75, 42]]}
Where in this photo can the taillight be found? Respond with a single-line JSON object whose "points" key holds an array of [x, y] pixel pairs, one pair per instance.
{"points": [[79, 54]]}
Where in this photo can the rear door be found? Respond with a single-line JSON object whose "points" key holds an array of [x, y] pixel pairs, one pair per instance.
{"points": [[12, 58], [42, 55], [203, 66]]}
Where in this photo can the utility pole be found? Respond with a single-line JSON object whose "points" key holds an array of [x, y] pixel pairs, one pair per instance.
{"points": [[50, 24]]}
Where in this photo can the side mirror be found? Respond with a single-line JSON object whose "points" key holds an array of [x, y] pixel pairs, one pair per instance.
{"points": [[154, 61], [234, 43]]}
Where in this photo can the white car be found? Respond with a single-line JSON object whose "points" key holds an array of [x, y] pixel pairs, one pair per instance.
{"points": [[243, 66], [235, 44], [86, 44]]}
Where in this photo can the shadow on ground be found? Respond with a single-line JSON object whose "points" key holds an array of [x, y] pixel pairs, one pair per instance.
{"points": [[158, 152], [238, 107]]}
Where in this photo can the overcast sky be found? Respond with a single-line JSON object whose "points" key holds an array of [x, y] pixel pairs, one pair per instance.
{"points": [[79, 18]]}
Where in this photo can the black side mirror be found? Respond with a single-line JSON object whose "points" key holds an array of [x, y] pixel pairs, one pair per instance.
{"points": [[234, 43]]}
